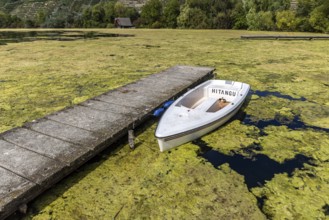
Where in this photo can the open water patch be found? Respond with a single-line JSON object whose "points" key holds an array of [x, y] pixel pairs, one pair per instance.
{"points": [[295, 124], [256, 168], [29, 36], [326, 209]]}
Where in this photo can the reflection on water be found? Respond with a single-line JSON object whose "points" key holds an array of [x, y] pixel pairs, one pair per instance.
{"points": [[20, 36]]}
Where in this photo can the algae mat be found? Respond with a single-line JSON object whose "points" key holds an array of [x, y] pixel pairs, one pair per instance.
{"points": [[270, 161]]}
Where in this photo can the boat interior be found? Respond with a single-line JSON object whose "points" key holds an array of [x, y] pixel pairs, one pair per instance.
{"points": [[204, 100]]}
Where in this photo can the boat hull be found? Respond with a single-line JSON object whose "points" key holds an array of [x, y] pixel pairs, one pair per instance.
{"points": [[167, 143]]}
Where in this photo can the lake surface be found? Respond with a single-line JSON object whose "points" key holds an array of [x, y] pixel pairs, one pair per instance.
{"points": [[262, 162]]}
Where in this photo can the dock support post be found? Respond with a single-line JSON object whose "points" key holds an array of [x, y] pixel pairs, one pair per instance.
{"points": [[22, 208], [131, 138]]}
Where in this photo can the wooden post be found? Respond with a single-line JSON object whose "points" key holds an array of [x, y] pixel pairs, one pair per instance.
{"points": [[131, 138]]}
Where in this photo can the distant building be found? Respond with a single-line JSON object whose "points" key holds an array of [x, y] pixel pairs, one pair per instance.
{"points": [[123, 23]]}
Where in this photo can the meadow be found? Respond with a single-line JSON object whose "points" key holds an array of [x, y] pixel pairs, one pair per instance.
{"points": [[270, 161]]}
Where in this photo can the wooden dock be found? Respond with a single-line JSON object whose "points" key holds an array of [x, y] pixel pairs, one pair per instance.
{"points": [[285, 37], [39, 154]]}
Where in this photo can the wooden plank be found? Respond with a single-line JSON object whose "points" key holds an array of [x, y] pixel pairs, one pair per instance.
{"points": [[14, 191], [64, 132], [41, 153], [104, 106], [28, 164], [131, 100], [90, 119], [44, 145]]}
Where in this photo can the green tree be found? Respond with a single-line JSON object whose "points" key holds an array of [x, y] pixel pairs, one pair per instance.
{"points": [[262, 20], [87, 17], [132, 13], [319, 18], [266, 20], [151, 12], [109, 12], [170, 13], [222, 21], [15, 22], [41, 18], [253, 19], [4, 19], [221, 14], [29, 23], [267, 5], [312, 15], [193, 18], [239, 16], [305, 7], [98, 14], [224, 14], [204, 5], [119, 9], [278, 5]]}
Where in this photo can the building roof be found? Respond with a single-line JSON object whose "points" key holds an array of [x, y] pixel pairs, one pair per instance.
{"points": [[123, 22]]}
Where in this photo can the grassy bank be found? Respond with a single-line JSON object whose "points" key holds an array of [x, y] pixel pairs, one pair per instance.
{"points": [[286, 119]]}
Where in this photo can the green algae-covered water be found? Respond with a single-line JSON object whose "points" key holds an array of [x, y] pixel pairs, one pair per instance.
{"points": [[270, 161]]}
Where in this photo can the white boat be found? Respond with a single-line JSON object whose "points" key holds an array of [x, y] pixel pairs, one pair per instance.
{"points": [[199, 111]]}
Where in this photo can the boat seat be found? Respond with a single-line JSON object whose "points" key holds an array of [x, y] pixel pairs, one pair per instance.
{"points": [[205, 105]]}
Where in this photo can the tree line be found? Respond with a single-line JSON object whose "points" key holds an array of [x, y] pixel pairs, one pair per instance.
{"points": [[276, 15]]}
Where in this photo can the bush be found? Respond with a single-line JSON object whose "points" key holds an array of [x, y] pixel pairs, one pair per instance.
{"points": [[110, 25], [286, 20], [266, 20], [260, 21], [303, 24], [156, 24], [193, 18], [319, 19]]}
